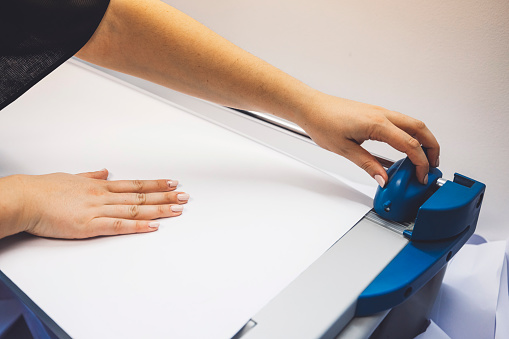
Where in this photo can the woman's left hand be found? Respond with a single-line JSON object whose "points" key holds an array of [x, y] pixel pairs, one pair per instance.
{"points": [[62, 205]]}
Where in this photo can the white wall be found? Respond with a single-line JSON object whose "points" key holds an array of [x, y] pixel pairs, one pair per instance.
{"points": [[444, 62]]}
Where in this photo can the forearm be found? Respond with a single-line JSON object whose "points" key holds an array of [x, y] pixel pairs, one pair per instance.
{"points": [[151, 40]]}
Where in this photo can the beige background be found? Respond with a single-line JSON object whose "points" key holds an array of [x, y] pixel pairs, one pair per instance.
{"points": [[444, 62]]}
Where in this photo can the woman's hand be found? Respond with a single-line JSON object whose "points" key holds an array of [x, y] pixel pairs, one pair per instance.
{"points": [[341, 126], [62, 205]]}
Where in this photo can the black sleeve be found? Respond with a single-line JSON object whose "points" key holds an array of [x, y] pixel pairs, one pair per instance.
{"points": [[37, 36]]}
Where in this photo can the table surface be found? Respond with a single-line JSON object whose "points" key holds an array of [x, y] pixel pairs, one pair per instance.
{"points": [[256, 218]]}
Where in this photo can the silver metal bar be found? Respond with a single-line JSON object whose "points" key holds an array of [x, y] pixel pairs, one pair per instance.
{"points": [[283, 124], [441, 182], [197, 105], [398, 227], [321, 301]]}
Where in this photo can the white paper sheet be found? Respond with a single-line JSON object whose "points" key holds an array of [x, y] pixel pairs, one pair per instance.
{"points": [[473, 301], [255, 220], [502, 313], [433, 332]]}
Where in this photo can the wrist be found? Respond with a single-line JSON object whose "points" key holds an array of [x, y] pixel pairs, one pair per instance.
{"points": [[306, 107], [297, 103], [11, 205]]}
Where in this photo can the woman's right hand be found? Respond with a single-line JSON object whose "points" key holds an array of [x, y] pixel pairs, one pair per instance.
{"points": [[341, 126], [62, 205]]}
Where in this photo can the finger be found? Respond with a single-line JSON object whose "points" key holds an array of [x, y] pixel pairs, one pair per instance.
{"points": [[142, 186], [420, 131], [367, 162], [102, 174], [114, 226], [160, 198], [144, 212], [403, 142]]}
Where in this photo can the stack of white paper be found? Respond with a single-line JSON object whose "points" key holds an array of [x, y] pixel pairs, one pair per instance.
{"points": [[255, 220]]}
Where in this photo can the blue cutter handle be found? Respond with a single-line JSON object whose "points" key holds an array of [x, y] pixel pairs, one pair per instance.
{"points": [[401, 198]]}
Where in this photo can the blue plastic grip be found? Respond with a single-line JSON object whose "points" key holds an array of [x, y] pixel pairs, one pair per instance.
{"points": [[401, 198]]}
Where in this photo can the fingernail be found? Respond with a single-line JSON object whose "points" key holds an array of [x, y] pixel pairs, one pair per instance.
{"points": [[104, 169], [172, 183], [183, 197], [380, 180], [426, 180], [153, 224], [177, 208], [438, 162]]}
